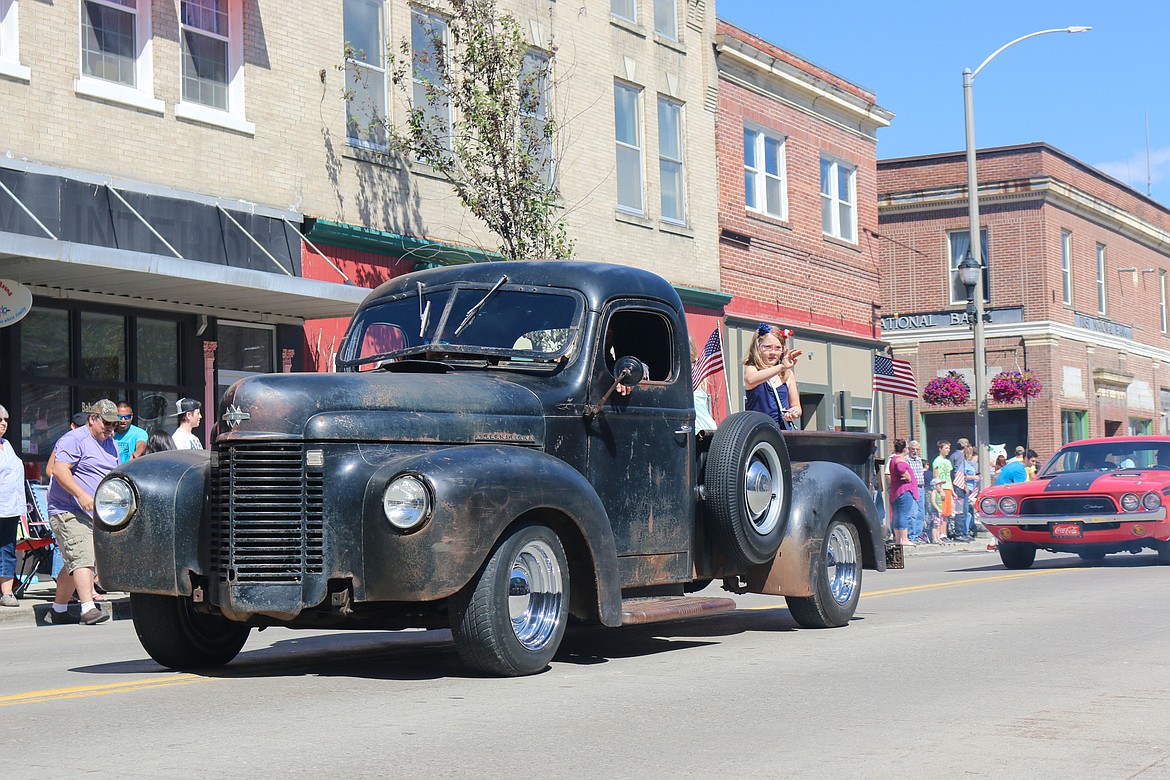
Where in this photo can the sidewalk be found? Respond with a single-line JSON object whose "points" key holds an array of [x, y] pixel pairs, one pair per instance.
{"points": [[979, 544], [34, 606]]}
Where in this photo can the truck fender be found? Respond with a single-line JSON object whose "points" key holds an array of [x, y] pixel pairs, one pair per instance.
{"points": [[820, 491], [158, 549], [477, 495]]}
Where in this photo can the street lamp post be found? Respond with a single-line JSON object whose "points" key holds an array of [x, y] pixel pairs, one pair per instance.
{"points": [[981, 433]]}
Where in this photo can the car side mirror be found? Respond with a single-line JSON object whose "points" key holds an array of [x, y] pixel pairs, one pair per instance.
{"points": [[628, 372]]}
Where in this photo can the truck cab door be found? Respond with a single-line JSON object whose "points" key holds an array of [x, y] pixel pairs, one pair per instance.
{"points": [[641, 445]]}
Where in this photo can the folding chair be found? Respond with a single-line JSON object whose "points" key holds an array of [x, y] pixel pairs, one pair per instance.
{"points": [[34, 536]]}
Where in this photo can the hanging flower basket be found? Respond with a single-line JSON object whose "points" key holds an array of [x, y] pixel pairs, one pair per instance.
{"points": [[949, 390], [1008, 387]]}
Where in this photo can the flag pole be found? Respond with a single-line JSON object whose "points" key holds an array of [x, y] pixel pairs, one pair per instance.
{"points": [[726, 380]]}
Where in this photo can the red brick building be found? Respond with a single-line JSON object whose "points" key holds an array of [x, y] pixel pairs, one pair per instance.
{"points": [[796, 154], [1076, 291]]}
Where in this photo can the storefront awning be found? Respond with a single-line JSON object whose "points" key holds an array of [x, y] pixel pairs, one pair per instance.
{"points": [[67, 269]]}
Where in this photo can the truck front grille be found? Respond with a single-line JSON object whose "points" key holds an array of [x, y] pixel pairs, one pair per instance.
{"points": [[268, 524]]}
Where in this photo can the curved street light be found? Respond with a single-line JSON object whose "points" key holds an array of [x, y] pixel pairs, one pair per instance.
{"points": [[982, 438]]}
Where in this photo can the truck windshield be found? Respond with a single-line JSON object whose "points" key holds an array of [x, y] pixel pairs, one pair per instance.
{"points": [[510, 324]]}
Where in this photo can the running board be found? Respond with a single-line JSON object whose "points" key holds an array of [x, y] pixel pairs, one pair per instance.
{"points": [[655, 609]]}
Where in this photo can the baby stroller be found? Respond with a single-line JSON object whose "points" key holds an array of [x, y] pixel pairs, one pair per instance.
{"points": [[34, 537]]}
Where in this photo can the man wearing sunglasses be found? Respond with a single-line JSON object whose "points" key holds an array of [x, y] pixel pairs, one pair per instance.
{"points": [[130, 439], [81, 458]]}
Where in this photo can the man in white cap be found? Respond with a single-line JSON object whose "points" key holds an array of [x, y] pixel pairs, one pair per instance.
{"points": [[190, 414]]}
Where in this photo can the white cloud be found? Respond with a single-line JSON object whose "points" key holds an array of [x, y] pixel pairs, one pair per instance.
{"points": [[1132, 171]]}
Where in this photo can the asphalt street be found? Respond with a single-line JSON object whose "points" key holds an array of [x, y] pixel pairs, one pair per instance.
{"points": [[954, 667]]}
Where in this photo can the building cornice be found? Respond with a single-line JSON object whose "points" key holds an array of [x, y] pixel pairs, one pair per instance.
{"points": [[423, 252], [792, 77], [1046, 188]]}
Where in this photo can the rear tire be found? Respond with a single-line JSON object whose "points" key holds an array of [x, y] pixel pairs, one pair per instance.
{"points": [[836, 582], [1016, 555], [510, 620], [178, 637]]}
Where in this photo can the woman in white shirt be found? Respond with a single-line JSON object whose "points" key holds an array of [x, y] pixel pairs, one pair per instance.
{"points": [[12, 506]]}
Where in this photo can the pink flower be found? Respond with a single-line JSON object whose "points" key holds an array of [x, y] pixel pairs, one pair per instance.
{"points": [[949, 390]]}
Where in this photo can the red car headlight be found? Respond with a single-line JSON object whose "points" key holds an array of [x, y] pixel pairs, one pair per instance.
{"points": [[1130, 502], [988, 506], [1008, 505], [1151, 501]]}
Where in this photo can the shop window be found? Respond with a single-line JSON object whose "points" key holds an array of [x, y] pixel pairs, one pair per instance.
{"points": [[45, 412], [158, 344], [242, 351], [1072, 425], [1139, 426], [103, 347], [45, 343], [365, 72]]}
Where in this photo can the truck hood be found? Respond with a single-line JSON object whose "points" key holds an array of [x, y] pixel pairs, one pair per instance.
{"points": [[454, 408]]}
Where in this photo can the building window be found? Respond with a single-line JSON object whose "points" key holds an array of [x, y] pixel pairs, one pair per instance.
{"points": [[242, 350], [1101, 279], [115, 53], [1162, 298], [764, 173], [10, 42], [959, 244], [1139, 426], [212, 33], [624, 9], [628, 134], [1072, 425], [534, 101], [838, 200], [428, 44], [1164, 394], [670, 161], [1066, 265], [666, 18], [365, 72]]}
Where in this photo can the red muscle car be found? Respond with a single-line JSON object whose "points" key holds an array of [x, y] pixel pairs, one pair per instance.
{"points": [[1095, 497]]}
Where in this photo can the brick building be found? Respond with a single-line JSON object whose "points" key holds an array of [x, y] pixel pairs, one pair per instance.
{"points": [[796, 150], [1076, 292], [188, 202]]}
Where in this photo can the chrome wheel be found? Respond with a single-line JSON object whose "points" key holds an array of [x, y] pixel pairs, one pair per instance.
{"points": [[841, 564], [535, 594], [763, 488]]}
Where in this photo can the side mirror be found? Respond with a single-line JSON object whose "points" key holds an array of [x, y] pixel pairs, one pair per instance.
{"points": [[629, 371]]}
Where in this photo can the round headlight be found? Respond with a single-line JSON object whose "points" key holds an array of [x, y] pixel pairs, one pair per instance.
{"points": [[1130, 502], [987, 506], [1008, 505], [1151, 501], [406, 503], [114, 503]]}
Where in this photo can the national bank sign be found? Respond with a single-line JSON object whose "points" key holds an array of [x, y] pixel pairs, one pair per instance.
{"points": [[947, 319], [1100, 325]]}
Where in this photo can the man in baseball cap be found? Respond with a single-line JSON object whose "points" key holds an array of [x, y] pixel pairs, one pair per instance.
{"points": [[190, 414]]}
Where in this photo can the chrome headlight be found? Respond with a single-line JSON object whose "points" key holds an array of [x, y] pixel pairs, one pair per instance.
{"points": [[987, 506], [406, 502], [1008, 505], [1130, 502], [114, 503], [1151, 501]]}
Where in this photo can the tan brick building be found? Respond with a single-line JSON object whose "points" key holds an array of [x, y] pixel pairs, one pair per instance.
{"points": [[163, 161], [1077, 266], [796, 147]]}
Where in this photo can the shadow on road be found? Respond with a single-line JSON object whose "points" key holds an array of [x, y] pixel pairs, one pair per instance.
{"points": [[1114, 561]]}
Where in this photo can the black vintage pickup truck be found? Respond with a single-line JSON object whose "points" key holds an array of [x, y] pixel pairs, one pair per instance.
{"points": [[479, 462]]}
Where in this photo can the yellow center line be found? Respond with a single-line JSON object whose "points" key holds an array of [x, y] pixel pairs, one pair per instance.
{"points": [[937, 585], [57, 694]]}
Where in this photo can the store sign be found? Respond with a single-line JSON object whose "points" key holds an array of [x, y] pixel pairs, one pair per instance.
{"points": [[15, 302], [948, 319], [1102, 325]]}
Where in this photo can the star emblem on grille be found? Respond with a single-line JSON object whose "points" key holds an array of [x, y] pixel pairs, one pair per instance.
{"points": [[234, 416]]}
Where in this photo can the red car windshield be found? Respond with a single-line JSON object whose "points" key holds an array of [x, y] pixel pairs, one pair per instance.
{"points": [[1110, 457]]}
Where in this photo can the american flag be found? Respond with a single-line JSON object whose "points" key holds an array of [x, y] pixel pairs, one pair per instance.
{"points": [[710, 361], [893, 376]]}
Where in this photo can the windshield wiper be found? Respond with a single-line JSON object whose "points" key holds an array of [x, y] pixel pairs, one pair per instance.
{"points": [[475, 310]]}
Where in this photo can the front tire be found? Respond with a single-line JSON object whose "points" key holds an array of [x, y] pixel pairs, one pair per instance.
{"points": [[1163, 550], [178, 637], [836, 581], [1016, 555], [1091, 556], [510, 620]]}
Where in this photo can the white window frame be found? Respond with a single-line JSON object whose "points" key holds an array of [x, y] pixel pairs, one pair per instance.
{"points": [[372, 69], [1066, 265], [233, 118], [666, 13], [1101, 288], [10, 42], [954, 285], [141, 94], [635, 147], [418, 83], [617, 12], [836, 200], [1162, 298], [759, 175], [540, 116], [665, 162]]}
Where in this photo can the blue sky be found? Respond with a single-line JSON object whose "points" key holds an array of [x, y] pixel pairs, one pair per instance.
{"points": [[1087, 94]]}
